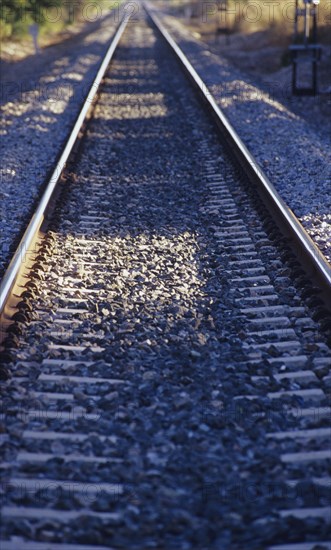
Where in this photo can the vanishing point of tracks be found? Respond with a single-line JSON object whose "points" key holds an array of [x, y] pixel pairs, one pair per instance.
{"points": [[167, 354]]}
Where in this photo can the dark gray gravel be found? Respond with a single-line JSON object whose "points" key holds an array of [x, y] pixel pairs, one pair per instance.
{"points": [[191, 465]]}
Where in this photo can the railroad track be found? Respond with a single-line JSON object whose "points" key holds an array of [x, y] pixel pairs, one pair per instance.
{"points": [[168, 355]]}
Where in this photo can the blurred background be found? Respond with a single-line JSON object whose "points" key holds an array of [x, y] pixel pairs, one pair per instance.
{"points": [[255, 34], [56, 20]]}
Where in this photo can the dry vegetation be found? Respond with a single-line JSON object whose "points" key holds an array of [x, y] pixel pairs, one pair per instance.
{"points": [[254, 35], [60, 20]]}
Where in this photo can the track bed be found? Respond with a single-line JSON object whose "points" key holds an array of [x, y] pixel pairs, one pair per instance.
{"points": [[170, 390]]}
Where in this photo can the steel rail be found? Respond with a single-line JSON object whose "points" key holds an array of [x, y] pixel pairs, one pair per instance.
{"points": [[36, 221], [306, 250]]}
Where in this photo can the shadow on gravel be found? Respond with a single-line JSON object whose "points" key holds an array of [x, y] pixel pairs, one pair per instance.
{"points": [[40, 100], [198, 464]]}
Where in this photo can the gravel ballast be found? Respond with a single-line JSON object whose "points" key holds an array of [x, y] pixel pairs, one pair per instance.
{"points": [[141, 298]]}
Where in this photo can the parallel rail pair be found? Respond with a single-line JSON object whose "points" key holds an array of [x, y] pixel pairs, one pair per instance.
{"points": [[308, 254]]}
